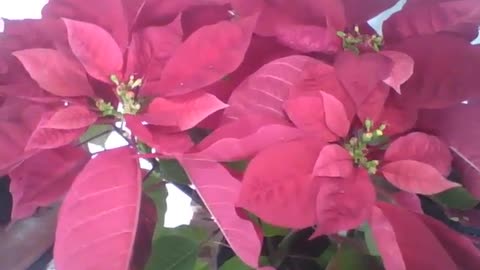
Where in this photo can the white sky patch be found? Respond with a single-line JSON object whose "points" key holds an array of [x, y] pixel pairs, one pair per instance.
{"points": [[179, 209], [377, 21]]}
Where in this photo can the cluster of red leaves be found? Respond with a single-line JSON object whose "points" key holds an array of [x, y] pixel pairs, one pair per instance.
{"points": [[274, 84]]}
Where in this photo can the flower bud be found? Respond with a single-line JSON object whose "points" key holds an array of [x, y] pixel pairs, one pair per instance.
{"points": [[137, 83], [378, 133], [130, 95], [368, 124], [367, 137], [114, 79]]}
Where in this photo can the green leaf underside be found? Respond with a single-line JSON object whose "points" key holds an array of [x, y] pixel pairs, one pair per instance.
{"points": [[172, 171], [172, 252], [456, 198], [94, 131], [235, 264], [349, 258]]}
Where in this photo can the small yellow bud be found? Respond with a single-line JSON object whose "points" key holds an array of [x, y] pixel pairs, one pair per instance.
{"points": [[353, 141], [367, 137], [378, 133], [130, 94], [137, 83], [368, 124], [382, 127], [114, 79]]}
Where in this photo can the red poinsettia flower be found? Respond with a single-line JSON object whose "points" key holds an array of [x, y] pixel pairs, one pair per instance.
{"points": [[99, 55]]}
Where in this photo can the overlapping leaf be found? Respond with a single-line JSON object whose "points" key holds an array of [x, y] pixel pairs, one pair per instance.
{"points": [[322, 116], [182, 112], [98, 219], [206, 56], [435, 84], [219, 190], [433, 16], [95, 49], [265, 91], [458, 126], [44, 178], [55, 72], [279, 180], [405, 242], [244, 137], [416, 177], [423, 148], [343, 203], [333, 161]]}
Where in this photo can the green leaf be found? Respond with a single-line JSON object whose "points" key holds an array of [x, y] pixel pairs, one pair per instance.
{"points": [[172, 171], [156, 189], [94, 131], [235, 264], [369, 241], [270, 230], [198, 134], [201, 265], [456, 198], [240, 166], [173, 252], [349, 258], [196, 234], [327, 256]]}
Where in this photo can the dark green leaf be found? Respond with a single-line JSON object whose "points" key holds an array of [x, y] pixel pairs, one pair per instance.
{"points": [[157, 191], [349, 258], [172, 171], [198, 134], [456, 198], [235, 264], [270, 230], [201, 265], [327, 256], [173, 252], [240, 166], [196, 234], [369, 241], [92, 134]]}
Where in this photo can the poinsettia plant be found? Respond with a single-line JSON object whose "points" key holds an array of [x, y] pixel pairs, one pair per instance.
{"points": [[313, 141]]}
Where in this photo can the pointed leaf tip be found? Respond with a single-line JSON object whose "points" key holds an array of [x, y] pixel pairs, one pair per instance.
{"points": [[95, 48]]}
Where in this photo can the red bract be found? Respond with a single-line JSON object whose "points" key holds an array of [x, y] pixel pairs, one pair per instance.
{"points": [[333, 161], [458, 126], [423, 148], [44, 178], [279, 180], [16, 126], [95, 49], [98, 219], [337, 126], [407, 241], [416, 177], [219, 190], [403, 240], [343, 203], [434, 84], [243, 138], [433, 16], [221, 46], [55, 72]]}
